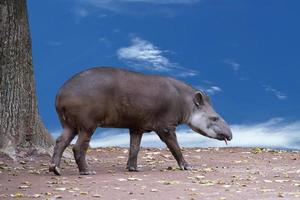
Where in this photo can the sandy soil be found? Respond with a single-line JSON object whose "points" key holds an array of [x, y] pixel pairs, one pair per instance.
{"points": [[218, 173]]}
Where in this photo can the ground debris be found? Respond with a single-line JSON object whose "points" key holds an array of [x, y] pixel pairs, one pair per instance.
{"points": [[168, 182], [257, 150], [218, 173]]}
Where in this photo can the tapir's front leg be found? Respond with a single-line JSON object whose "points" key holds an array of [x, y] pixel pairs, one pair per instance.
{"points": [[169, 137], [135, 142]]}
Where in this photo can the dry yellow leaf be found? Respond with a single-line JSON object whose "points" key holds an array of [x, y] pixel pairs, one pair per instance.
{"points": [[17, 195]]}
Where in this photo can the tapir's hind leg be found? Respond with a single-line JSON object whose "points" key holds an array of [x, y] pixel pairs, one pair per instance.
{"points": [[61, 143], [80, 149], [135, 141]]}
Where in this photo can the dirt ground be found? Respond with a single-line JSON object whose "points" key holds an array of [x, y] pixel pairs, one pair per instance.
{"points": [[218, 174]]}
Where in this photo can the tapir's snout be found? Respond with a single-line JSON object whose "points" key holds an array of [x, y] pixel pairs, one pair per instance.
{"points": [[223, 132], [221, 128]]}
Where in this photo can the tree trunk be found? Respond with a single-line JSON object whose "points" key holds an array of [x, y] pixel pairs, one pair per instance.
{"points": [[21, 128]]}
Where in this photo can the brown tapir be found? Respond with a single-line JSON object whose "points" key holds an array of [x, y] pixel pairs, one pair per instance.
{"points": [[117, 98]]}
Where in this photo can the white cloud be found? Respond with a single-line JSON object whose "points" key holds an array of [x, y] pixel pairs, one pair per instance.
{"points": [[143, 54], [235, 66], [213, 90], [280, 95], [209, 88], [274, 133], [185, 72]]}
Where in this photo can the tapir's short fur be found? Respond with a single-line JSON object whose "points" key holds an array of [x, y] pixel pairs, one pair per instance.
{"points": [[117, 98]]}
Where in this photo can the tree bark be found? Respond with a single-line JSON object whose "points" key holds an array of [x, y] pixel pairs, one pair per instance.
{"points": [[21, 128]]}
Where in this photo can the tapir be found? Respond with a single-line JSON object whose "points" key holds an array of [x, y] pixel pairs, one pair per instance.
{"points": [[119, 98]]}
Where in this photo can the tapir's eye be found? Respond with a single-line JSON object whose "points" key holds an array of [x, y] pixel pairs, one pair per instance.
{"points": [[214, 119]]}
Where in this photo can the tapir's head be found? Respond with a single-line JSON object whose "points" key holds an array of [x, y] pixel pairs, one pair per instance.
{"points": [[206, 121]]}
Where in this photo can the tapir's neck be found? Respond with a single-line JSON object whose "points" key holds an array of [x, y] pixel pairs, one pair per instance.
{"points": [[187, 110], [186, 93]]}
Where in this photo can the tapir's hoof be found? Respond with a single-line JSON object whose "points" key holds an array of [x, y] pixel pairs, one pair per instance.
{"points": [[132, 169], [55, 169], [87, 173], [186, 166]]}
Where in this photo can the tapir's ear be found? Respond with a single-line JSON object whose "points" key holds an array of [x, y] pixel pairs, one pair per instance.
{"points": [[199, 98]]}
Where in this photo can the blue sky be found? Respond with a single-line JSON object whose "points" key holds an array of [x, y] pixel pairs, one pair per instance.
{"points": [[245, 54]]}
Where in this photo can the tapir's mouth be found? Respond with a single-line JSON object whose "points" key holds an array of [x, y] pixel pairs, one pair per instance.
{"points": [[223, 137], [219, 135], [223, 133]]}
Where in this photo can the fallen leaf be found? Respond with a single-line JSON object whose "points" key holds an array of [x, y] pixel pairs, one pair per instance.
{"points": [[257, 150], [97, 196], [36, 195], [280, 195], [23, 186], [207, 183], [17, 195], [281, 181], [60, 189], [120, 157], [84, 193], [199, 177], [48, 193], [22, 162], [169, 182], [26, 183], [267, 190], [134, 179], [268, 181], [208, 169]]}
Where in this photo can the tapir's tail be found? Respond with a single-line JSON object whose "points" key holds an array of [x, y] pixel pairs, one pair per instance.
{"points": [[61, 112]]}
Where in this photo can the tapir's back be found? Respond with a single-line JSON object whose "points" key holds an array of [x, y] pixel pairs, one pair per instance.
{"points": [[116, 85]]}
